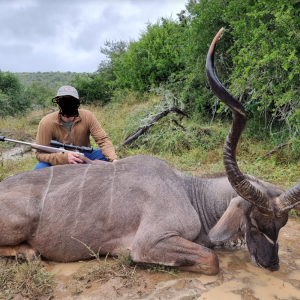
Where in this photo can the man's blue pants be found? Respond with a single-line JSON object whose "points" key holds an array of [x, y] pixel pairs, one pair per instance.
{"points": [[96, 154]]}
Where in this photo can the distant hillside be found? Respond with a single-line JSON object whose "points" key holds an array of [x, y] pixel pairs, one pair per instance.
{"points": [[52, 80]]}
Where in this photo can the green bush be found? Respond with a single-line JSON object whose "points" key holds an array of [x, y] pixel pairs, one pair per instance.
{"points": [[152, 59], [13, 97], [93, 88], [266, 60]]}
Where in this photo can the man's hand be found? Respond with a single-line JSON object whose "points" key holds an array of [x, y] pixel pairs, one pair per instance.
{"points": [[73, 158]]}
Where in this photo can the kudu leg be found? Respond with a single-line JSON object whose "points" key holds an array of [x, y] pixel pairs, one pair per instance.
{"points": [[177, 252], [22, 251]]}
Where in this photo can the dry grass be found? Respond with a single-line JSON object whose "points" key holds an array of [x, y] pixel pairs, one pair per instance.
{"points": [[102, 270], [122, 267], [29, 279]]}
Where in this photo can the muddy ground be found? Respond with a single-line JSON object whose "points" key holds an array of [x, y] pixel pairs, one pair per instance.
{"points": [[238, 279]]}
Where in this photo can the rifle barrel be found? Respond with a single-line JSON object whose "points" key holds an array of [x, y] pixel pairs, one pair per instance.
{"points": [[40, 147], [48, 149], [4, 139], [33, 145]]}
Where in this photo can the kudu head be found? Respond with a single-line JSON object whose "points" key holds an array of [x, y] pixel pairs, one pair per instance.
{"points": [[266, 208]]}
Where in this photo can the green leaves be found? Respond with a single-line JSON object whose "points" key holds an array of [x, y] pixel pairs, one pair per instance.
{"points": [[151, 60], [93, 87], [266, 58], [39, 94], [13, 99]]}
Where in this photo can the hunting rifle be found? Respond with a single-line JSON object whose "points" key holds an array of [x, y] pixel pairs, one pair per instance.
{"points": [[57, 147]]}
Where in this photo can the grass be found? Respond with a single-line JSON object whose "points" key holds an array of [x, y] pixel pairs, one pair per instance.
{"points": [[10, 167], [30, 279], [102, 270], [121, 267], [195, 148]]}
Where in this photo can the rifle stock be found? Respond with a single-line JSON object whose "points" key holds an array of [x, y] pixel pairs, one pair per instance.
{"points": [[48, 149]]}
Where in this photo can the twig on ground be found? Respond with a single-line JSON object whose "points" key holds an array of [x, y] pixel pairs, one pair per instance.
{"points": [[143, 129], [279, 147]]}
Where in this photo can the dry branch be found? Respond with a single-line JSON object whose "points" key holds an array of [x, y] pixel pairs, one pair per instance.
{"points": [[279, 147], [143, 129]]}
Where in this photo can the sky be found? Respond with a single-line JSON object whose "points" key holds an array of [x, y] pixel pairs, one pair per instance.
{"points": [[66, 35]]}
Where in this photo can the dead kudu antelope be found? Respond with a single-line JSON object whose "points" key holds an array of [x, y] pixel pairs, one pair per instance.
{"points": [[141, 203]]}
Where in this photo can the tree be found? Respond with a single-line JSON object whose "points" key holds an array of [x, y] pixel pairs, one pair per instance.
{"points": [[9, 83], [204, 19], [114, 49], [266, 59], [93, 88], [13, 99], [99, 86], [152, 59], [39, 94]]}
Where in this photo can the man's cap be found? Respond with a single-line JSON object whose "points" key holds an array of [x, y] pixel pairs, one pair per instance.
{"points": [[67, 90]]}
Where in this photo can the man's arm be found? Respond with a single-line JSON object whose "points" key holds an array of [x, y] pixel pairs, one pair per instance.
{"points": [[102, 139], [44, 137]]}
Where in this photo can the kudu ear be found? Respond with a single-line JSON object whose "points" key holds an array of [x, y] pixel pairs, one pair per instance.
{"points": [[229, 223]]}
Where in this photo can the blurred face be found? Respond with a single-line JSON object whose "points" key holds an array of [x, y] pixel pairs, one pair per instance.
{"points": [[68, 106]]}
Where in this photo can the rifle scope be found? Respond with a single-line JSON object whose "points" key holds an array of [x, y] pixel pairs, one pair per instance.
{"points": [[81, 149]]}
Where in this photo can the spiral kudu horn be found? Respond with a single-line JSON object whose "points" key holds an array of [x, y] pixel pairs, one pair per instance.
{"points": [[238, 181], [290, 198]]}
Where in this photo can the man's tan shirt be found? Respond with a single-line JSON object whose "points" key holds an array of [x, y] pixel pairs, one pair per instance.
{"points": [[86, 124]]}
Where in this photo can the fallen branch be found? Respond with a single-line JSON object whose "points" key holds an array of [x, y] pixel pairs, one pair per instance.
{"points": [[143, 129], [177, 123], [279, 147]]}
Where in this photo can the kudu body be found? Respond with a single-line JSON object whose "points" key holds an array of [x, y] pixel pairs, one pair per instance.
{"points": [[142, 204]]}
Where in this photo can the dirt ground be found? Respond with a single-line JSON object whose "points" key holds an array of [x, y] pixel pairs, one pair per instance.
{"points": [[238, 279]]}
